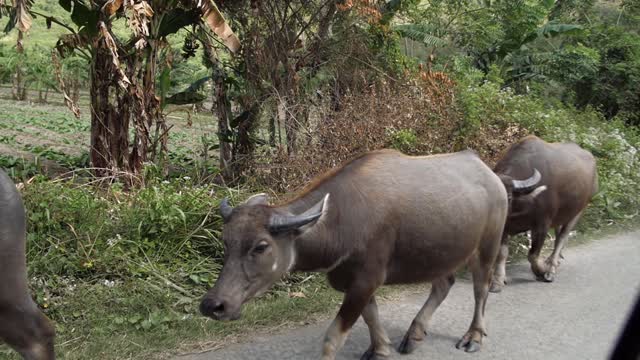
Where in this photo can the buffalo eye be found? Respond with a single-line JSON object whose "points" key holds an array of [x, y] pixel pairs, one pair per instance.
{"points": [[260, 248]]}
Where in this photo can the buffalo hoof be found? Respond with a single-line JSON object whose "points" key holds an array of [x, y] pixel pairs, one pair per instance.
{"points": [[408, 345], [371, 354], [469, 346], [470, 342], [548, 277], [496, 287]]}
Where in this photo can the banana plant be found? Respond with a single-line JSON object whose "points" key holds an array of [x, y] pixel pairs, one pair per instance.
{"points": [[127, 66]]}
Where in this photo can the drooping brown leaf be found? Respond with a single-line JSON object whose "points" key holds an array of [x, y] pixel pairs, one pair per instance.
{"points": [[123, 80], [58, 71], [23, 18], [69, 42], [112, 6], [213, 17], [138, 15], [140, 44], [23, 21]]}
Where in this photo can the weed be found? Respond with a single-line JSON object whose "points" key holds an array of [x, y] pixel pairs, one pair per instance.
{"points": [[404, 140]]}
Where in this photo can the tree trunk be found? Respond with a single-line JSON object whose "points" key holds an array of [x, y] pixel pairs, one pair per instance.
{"points": [[101, 110], [243, 145], [146, 110], [19, 91], [110, 115], [272, 129], [119, 129], [75, 91], [291, 130], [223, 112]]}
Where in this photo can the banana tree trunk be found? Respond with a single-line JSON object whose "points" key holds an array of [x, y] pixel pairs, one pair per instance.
{"points": [[110, 114], [100, 110]]}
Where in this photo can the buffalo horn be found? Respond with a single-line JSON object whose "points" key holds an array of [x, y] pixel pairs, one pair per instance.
{"points": [[526, 185], [281, 223], [225, 209]]}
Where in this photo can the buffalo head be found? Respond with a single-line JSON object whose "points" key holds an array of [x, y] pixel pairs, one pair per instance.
{"points": [[522, 193], [259, 250]]}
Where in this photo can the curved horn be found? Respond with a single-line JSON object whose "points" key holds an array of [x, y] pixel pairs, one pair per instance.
{"points": [[225, 209], [526, 185], [258, 199], [281, 223]]}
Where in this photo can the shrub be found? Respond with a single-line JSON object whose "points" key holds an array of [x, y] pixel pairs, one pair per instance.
{"points": [[86, 232], [404, 140], [413, 115]]}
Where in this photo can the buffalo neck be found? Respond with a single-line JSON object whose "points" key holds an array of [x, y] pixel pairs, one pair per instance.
{"points": [[319, 247]]}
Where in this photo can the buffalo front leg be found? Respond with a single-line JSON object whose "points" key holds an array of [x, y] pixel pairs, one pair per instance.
{"points": [[538, 236], [499, 279], [355, 300], [553, 261], [418, 329], [380, 344], [481, 272]]}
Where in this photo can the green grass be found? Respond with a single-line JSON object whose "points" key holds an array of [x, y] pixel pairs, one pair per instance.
{"points": [[50, 131], [130, 320]]}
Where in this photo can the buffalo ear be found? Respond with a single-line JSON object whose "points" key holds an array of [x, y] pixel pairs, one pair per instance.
{"points": [[281, 223], [225, 209], [258, 199], [523, 204]]}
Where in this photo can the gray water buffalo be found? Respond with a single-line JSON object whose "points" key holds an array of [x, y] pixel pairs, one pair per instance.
{"points": [[568, 181], [381, 218], [22, 325]]}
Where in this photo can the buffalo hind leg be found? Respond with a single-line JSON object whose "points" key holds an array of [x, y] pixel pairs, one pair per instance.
{"points": [[481, 269], [499, 279], [380, 344], [356, 299], [418, 329], [553, 261], [28, 331], [558, 230]]}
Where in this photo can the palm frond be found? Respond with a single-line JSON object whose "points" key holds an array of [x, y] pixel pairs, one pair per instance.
{"points": [[422, 33], [553, 29]]}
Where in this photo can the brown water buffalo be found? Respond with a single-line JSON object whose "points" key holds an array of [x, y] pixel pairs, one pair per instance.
{"points": [[22, 325], [382, 218], [568, 182]]}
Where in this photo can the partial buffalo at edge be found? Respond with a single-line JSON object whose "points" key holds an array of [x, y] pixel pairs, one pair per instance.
{"points": [[22, 325]]}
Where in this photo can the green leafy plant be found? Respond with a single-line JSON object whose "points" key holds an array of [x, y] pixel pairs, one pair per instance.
{"points": [[404, 140]]}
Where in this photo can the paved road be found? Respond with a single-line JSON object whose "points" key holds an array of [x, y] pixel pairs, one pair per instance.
{"points": [[578, 316]]}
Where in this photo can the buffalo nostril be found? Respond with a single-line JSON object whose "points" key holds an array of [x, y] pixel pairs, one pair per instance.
{"points": [[212, 307], [218, 308]]}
